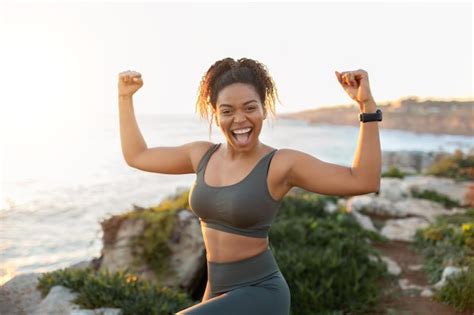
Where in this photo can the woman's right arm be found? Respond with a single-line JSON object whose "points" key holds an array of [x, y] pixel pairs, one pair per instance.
{"points": [[181, 159]]}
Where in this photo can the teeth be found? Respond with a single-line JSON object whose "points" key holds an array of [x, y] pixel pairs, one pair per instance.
{"points": [[239, 131]]}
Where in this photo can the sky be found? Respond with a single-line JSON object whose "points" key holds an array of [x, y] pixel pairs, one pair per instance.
{"points": [[60, 60]]}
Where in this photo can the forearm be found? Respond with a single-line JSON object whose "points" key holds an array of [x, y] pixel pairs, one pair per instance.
{"points": [[131, 139], [366, 165]]}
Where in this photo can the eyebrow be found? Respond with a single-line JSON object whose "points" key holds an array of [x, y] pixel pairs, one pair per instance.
{"points": [[221, 105]]}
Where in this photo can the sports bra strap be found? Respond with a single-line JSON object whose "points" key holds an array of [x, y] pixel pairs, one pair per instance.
{"points": [[206, 157]]}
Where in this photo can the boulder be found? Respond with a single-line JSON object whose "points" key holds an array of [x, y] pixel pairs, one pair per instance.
{"points": [[456, 191], [448, 272], [19, 295], [403, 229], [392, 189], [364, 221], [409, 161], [57, 302], [187, 258], [421, 208], [370, 204]]}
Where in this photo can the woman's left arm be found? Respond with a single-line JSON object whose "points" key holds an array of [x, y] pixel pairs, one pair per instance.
{"points": [[366, 165], [313, 174]]}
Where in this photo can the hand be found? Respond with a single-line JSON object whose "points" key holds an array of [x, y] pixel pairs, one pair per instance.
{"points": [[356, 85], [129, 82]]}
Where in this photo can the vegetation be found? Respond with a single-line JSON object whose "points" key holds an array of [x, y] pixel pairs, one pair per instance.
{"points": [[449, 241], [458, 166], [116, 290], [325, 258], [435, 196], [394, 171], [150, 247]]}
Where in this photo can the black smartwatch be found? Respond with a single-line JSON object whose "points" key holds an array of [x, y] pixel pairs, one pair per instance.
{"points": [[365, 117]]}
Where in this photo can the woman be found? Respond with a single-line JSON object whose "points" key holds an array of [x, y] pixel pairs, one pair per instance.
{"points": [[237, 190]]}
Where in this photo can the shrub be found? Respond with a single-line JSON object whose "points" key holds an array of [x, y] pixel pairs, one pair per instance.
{"points": [[459, 291], [393, 171], [435, 196], [325, 258], [457, 166], [449, 241], [116, 290]]}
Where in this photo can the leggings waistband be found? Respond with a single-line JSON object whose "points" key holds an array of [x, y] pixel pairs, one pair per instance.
{"points": [[227, 276]]}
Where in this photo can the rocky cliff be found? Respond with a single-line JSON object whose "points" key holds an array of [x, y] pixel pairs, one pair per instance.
{"points": [[409, 114]]}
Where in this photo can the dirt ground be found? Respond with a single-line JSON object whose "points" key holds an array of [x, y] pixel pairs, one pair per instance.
{"points": [[396, 301]]}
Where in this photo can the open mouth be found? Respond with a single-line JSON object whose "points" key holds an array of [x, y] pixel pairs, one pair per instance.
{"points": [[242, 138]]}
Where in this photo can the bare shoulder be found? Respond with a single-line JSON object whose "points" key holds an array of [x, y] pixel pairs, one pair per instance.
{"points": [[197, 149], [281, 165]]}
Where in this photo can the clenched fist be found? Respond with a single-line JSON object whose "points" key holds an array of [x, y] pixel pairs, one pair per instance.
{"points": [[129, 82], [356, 85]]}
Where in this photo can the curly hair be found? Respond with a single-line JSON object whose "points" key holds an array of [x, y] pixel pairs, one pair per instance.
{"points": [[227, 71]]}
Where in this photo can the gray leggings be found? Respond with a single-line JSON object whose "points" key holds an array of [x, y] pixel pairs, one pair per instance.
{"points": [[250, 286]]}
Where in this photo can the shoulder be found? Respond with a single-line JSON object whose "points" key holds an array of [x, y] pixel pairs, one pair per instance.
{"points": [[287, 158], [196, 151]]}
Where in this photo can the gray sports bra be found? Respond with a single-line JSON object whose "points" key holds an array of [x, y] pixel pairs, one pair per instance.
{"points": [[244, 208]]}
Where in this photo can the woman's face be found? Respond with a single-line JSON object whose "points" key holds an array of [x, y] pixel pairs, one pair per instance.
{"points": [[238, 106]]}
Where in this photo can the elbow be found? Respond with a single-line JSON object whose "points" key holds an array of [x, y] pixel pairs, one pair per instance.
{"points": [[374, 188]]}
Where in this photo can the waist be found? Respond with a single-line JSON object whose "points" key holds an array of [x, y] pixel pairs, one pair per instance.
{"points": [[225, 247], [228, 276]]}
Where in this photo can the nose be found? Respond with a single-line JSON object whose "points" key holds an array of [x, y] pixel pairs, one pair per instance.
{"points": [[240, 117]]}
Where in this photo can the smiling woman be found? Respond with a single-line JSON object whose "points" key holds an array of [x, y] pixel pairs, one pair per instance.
{"points": [[240, 184]]}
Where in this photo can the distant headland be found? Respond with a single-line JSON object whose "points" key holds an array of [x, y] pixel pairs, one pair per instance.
{"points": [[453, 117]]}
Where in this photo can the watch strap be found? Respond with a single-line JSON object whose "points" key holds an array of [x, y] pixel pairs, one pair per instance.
{"points": [[365, 117]]}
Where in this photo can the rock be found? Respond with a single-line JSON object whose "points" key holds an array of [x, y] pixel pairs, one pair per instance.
{"points": [[364, 221], [458, 192], [98, 311], [392, 189], [448, 272], [408, 161], [19, 295], [330, 207], [406, 285], [415, 267], [57, 302], [116, 253], [420, 207], [372, 205], [81, 265], [187, 258], [392, 266], [403, 229], [426, 293]]}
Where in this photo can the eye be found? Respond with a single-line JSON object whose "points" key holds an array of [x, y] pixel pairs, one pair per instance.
{"points": [[225, 112], [251, 107]]}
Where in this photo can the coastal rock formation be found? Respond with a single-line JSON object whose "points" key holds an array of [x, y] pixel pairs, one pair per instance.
{"points": [[187, 258], [407, 114]]}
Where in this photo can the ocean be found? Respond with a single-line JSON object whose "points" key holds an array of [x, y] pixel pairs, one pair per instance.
{"points": [[58, 185]]}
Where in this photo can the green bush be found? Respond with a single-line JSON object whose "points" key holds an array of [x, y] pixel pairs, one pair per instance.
{"points": [[459, 291], [116, 290], [449, 241], [457, 166], [435, 196], [325, 258], [393, 171]]}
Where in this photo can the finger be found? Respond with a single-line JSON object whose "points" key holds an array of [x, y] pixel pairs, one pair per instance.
{"points": [[346, 79], [338, 76], [351, 79]]}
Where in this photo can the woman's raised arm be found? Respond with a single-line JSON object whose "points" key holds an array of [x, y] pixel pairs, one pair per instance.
{"points": [[181, 159]]}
